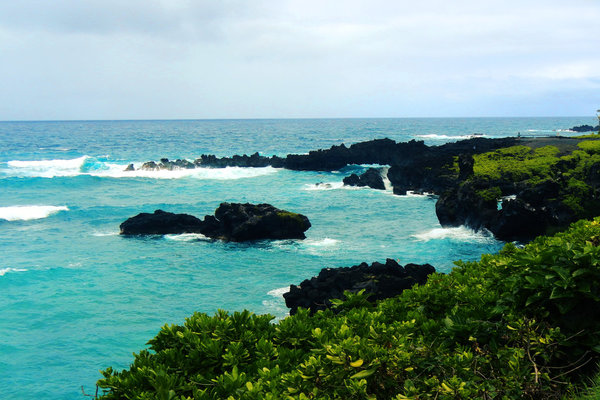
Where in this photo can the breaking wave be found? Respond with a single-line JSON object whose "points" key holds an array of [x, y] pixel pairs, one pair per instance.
{"points": [[87, 165], [325, 186], [327, 242], [278, 292], [434, 136], [186, 237], [26, 213], [461, 234], [4, 271]]}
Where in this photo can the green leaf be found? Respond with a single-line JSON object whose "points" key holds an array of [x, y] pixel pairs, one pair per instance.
{"points": [[364, 373], [579, 272]]}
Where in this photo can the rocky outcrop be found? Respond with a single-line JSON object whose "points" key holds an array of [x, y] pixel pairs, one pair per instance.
{"points": [[472, 204], [380, 281], [160, 223], [253, 161], [165, 164], [232, 222], [532, 211], [241, 222], [585, 128], [371, 177]]}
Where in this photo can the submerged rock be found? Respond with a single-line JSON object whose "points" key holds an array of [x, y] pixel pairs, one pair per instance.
{"points": [[232, 221], [380, 281]]}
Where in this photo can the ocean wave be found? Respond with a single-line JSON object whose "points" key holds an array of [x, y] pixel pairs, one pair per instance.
{"points": [[87, 165], [326, 242], [220, 174], [324, 186], [26, 213], [4, 271], [103, 234], [186, 237], [46, 168], [461, 234], [278, 292], [434, 136]]}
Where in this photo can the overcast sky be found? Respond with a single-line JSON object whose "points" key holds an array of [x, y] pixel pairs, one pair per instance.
{"points": [[154, 59]]}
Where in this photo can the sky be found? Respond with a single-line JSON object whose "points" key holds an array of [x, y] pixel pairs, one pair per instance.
{"points": [[172, 59]]}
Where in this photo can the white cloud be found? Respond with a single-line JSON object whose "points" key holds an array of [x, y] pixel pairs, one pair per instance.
{"points": [[170, 59]]}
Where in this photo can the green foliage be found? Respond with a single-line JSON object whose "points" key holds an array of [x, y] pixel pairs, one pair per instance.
{"points": [[590, 146], [516, 163], [490, 194], [524, 323], [590, 391]]}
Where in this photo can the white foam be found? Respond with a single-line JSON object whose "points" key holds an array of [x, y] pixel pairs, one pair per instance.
{"points": [[327, 242], [448, 137], [461, 233], [386, 182], [103, 234], [325, 186], [222, 174], [4, 271], [186, 237], [26, 213], [47, 168], [410, 193], [86, 165], [278, 292]]}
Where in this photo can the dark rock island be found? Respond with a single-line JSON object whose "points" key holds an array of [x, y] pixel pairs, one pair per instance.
{"points": [[232, 222], [380, 281]]}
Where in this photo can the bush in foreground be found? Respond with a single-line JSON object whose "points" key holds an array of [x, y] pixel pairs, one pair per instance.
{"points": [[519, 324]]}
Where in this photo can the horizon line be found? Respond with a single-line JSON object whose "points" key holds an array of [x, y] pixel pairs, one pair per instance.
{"points": [[282, 118]]}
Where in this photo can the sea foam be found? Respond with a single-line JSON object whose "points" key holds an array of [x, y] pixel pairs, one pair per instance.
{"points": [[46, 168], [278, 292], [461, 233], [326, 242], [324, 186], [26, 213], [87, 165], [447, 137], [186, 237], [4, 271]]}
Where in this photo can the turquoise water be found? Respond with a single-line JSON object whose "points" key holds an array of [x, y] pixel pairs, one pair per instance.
{"points": [[76, 297]]}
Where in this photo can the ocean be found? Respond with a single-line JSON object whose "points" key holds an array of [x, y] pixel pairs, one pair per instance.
{"points": [[75, 297]]}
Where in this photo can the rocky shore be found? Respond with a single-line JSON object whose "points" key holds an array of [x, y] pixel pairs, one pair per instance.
{"points": [[511, 207]]}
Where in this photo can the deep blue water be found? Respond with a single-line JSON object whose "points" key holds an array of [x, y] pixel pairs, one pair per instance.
{"points": [[76, 298]]}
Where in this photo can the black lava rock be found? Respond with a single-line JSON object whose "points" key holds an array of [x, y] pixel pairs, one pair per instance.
{"points": [[380, 281]]}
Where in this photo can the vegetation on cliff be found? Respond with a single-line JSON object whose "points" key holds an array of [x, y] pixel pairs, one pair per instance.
{"points": [[542, 189], [519, 324]]}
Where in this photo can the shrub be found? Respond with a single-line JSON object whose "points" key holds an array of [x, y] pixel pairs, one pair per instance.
{"points": [[516, 163], [519, 324]]}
